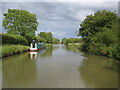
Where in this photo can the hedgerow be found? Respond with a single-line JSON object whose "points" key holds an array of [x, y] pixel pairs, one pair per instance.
{"points": [[13, 39]]}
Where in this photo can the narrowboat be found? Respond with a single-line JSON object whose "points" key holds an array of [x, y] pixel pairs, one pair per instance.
{"points": [[37, 46]]}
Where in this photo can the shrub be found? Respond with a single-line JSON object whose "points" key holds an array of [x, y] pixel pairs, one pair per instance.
{"points": [[116, 52], [13, 39]]}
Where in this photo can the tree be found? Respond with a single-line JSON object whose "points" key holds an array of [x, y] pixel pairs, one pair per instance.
{"points": [[46, 36], [20, 22], [99, 32], [94, 24], [72, 40], [41, 40], [63, 40], [55, 40]]}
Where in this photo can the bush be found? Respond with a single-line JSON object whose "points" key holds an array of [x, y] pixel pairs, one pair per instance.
{"points": [[13, 39], [116, 52]]}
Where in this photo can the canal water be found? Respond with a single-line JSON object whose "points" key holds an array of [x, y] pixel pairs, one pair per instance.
{"points": [[58, 67]]}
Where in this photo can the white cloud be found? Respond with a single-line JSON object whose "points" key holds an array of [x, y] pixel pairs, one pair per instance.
{"points": [[0, 18], [83, 13], [60, 18], [60, 0], [59, 34]]}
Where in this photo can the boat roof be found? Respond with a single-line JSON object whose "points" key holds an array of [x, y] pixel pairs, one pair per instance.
{"points": [[41, 43]]}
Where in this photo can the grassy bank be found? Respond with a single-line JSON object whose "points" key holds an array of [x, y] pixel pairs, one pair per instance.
{"points": [[77, 45], [111, 52], [47, 44], [8, 50]]}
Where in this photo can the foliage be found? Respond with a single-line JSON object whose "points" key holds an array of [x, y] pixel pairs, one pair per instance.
{"points": [[12, 49], [41, 40], [13, 39], [55, 40], [63, 40], [100, 34], [20, 22], [93, 23], [29, 37], [45, 37], [71, 40]]}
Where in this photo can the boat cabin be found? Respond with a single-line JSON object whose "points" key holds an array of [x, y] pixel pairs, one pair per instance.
{"points": [[36, 46]]}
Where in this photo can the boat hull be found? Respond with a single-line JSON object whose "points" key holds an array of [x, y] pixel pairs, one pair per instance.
{"points": [[33, 49]]}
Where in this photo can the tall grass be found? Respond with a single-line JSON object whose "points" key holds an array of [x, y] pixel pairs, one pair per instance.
{"points": [[77, 45], [8, 50]]}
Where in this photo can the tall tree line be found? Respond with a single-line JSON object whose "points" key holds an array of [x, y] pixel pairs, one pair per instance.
{"points": [[99, 32]]}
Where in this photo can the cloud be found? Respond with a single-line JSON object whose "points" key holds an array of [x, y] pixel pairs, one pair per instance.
{"points": [[0, 17], [60, 18], [81, 15], [60, 0]]}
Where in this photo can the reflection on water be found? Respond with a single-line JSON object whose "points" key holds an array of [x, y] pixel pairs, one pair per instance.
{"points": [[0, 74], [58, 67], [95, 74], [98, 71], [48, 52], [33, 54], [42, 53], [18, 70]]}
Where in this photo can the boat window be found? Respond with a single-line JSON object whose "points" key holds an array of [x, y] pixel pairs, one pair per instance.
{"points": [[33, 45]]}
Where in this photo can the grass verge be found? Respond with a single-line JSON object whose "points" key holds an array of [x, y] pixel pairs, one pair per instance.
{"points": [[77, 45], [8, 50], [47, 44]]}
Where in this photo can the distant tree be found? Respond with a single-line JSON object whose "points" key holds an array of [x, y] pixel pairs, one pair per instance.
{"points": [[55, 40], [63, 40], [72, 40], [40, 40], [47, 36], [20, 22]]}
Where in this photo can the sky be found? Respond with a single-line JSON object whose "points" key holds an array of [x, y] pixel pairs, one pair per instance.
{"points": [[62, 18]]}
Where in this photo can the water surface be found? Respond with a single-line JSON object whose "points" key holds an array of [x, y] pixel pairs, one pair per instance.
{"points": [[58, 67], [0, 74]]}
